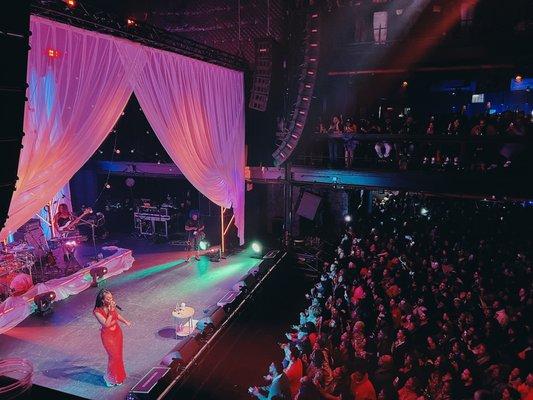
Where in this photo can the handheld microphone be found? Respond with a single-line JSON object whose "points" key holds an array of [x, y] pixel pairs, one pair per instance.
{"points": [[117, 306]]}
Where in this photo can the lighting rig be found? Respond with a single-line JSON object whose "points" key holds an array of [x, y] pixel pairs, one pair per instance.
{"points": [[86, 16]]}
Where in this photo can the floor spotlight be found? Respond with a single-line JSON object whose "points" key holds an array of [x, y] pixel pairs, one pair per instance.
{"points": [[258, 250], [256, 247], [214, 254], [348, 218], [97, 273], [43, 302]]}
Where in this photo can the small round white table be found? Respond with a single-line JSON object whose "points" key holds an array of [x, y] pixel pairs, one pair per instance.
{"points": [[183, 317]]}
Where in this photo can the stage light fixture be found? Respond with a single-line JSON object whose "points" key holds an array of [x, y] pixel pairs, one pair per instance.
{"points": [[130, 22], [424, 211], [70, 3], [405, 84], [97, 273], [43, 302], [107, 186], [117, 151], [348, 218], [203, 245], [214, 254], [256, 247], [52, 53]]}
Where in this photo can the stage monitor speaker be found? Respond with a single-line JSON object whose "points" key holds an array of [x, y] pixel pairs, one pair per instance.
{"points": [[14, 37], [250, 280], [183, 352], [151, 384], [309, 204], [214, 317]]}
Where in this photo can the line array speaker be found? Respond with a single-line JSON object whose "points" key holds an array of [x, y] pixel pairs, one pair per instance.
{"points": [[14, 46]]}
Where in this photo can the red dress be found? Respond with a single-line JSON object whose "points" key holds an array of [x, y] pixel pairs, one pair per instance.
{"points": [[112, 341]]}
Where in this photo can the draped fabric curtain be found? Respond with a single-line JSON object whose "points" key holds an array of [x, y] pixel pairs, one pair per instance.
{"points": [[77, 90], [79, 83], [196, 110]]}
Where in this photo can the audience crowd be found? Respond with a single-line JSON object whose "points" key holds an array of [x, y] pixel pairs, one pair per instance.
{"points": [[345, 147], [424, 298]]}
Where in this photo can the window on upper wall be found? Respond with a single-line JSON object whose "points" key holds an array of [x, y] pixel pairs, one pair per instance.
{"points": [[467, 14], [380, 27]]}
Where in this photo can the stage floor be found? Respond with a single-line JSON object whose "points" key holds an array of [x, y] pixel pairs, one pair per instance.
{"points": [[65, 347]]}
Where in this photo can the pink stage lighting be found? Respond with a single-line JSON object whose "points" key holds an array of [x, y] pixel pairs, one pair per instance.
{"points": [[52, 53]]}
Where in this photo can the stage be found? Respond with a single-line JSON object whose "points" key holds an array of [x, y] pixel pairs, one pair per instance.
{"points": [[65, 347]]}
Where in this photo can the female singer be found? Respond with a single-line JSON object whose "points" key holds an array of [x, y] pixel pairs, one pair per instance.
{"points": [[106, 313]]}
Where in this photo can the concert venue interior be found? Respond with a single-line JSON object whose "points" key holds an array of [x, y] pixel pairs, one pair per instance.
{"points": [[271, 199]]}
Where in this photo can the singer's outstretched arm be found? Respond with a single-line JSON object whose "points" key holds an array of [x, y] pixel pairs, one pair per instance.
{"points": [[122, 319]]}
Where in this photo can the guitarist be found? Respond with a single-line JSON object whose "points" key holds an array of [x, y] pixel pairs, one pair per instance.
{"points": [[195, 230], [62, 217], [65, 222]]}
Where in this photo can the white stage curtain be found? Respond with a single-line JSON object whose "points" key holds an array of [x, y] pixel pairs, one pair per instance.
{"points": [[196, 110], [78, 89], [79, 83]]}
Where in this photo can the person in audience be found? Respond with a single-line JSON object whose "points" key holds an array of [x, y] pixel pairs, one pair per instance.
{"points": [[361, 386], [383, 378], [408, 391], [335, 132], [294, 371], [350, 144], [279, 387], [308, 390]]}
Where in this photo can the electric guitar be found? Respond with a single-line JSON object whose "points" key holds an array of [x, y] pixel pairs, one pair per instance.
{"points": [[72, 224]]}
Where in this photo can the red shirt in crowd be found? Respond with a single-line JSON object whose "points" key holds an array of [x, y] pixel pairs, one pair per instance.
{"points": [[294, 372]]}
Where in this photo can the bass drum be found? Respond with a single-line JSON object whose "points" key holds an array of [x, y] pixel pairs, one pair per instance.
{"points": [[20, 284]]}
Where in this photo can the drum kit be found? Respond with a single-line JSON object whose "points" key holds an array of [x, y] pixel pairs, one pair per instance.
{"points": [[39, 258], [43, 259], [14, 261]]}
